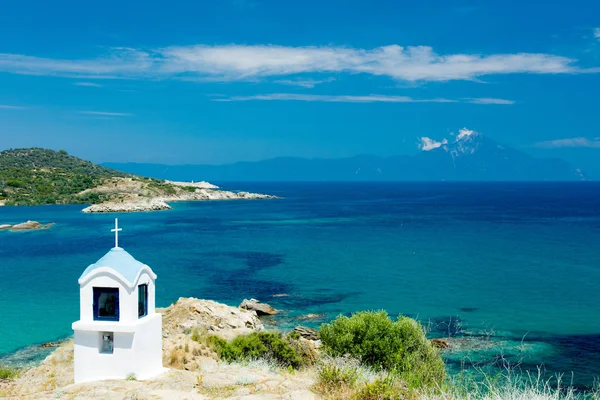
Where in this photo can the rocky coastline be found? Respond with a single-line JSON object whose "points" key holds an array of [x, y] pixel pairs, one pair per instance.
{"points": [[25, 226], [131, 195], [128, 206], [195, 371]]}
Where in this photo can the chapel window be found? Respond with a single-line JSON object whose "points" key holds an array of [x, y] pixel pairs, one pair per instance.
{"points": [[142, 300], [106, 304]]}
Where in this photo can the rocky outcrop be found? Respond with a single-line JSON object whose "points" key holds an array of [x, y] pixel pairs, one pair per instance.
{"points": [[199, 185], [137, 194], [128, 206], [54, 380], [26, 226], [258, 307], [211, 194], [440, 343], [194, 371], [216, 318], [307, 333], [311, 317]]}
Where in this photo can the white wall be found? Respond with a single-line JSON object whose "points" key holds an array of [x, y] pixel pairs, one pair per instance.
{"points": [[137, 341], [138, 352]]}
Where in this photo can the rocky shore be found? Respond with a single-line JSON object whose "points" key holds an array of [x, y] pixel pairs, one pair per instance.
{"points": [[132, 195], [25, 226], [199, 185], [194, 370], [128, 206]]}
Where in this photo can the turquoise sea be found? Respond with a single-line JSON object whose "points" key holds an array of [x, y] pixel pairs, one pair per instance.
{"points": [[511, 270]]}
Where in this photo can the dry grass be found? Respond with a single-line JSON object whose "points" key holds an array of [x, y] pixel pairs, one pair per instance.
{"points": [[218, 392], [509, 386]]}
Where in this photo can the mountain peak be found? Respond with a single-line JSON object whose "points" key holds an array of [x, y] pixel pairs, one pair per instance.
{"points": [[465, 133], [465, 139]]}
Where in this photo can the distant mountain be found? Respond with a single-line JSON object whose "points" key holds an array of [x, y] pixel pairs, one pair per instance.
{"points": [[469, 157]]}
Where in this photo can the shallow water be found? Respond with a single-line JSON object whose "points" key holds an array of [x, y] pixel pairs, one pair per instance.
{"points": [[517, 263]]}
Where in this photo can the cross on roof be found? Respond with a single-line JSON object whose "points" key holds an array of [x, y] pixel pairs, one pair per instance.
{"points": [[116, 231]]}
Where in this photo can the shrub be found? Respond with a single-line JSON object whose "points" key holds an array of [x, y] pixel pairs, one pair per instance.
{"points": [[396, 346], [8, 373], [284, 350], [334, 378], [131, 377], [381, 389]]}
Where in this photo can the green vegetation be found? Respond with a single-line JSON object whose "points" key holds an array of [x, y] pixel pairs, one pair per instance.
{"points": [[399, 347], [41, 176], [333, 378], [162, 187], [8, 373], [286, 351], [510, 386], [345, 378]]}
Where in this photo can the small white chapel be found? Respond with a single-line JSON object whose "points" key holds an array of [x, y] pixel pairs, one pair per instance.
{"points": [[119, 334]]}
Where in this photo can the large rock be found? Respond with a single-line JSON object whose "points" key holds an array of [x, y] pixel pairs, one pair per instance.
{"points": [[5, 226], [218, 319], [307, 333], [258, 307], [26, 226], [128, 206], [440, 343]]}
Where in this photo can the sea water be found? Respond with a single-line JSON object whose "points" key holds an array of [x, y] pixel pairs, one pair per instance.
{"points": [[512, 270]]}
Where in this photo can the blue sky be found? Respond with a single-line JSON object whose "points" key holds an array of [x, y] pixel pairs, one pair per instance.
{"points": [[228, 80]]}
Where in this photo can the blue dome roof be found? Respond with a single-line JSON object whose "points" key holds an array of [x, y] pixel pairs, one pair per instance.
{"points": [[120, 261]]}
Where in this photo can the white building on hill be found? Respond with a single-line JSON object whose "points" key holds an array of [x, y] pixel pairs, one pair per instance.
{"points": [[118, 334]]}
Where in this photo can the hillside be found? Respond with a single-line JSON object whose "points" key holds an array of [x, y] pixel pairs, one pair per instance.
{"points": [[41, 176], [468, 158]]}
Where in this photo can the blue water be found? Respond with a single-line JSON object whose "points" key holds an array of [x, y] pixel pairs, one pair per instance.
{"points": [[514, 264]]}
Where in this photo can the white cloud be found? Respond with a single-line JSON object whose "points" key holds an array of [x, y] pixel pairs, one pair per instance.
{"points": [[306, 83], [106, 114], [371, 98], [571, 142], [7, 107], [597, 33], [87, 84], [240, 62], [428, 144], [489, 100]]}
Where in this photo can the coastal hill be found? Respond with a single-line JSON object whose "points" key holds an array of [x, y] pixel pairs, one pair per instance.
{"points": [[472, 157], [40, 176]]}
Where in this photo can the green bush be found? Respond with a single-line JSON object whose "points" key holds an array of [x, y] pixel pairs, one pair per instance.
{"points": [[8, 373], [284, 350], [396, 346], [380, 389], [334, 378]]}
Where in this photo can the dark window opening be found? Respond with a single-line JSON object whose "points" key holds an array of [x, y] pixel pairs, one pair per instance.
{"points": [[142, 300], [107, 342], [106, 304]]}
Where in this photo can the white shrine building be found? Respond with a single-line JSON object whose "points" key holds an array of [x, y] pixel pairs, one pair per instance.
{"points": [[118, 334]]}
